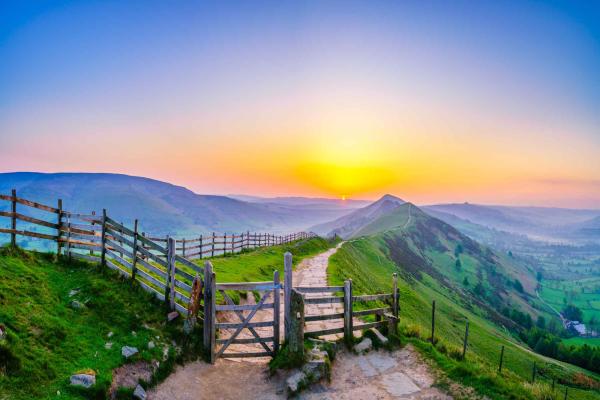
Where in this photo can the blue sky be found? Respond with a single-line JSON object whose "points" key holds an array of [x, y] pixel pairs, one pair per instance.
{"points": [[496, 96]]}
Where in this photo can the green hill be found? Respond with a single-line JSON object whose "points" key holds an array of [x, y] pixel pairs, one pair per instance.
{"points": [[424, 250]]}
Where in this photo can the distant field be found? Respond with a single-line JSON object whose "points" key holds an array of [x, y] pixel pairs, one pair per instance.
{"points": [[580, 341], [569, 292]]}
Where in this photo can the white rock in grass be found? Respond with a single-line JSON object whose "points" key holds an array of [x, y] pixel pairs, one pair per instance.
{"points": [[128, 351], [151, 345], [84, 380], [108, 345], [109, 334], [139, 393]]}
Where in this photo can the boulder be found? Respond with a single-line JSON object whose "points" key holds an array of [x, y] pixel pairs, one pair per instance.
{"points": [[365, 345], [128, 351], [85, 380], [139, 393]]}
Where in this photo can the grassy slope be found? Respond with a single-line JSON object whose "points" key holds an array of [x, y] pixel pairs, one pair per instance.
{"points": [[52, 341], [366, 261], [258, 265]]}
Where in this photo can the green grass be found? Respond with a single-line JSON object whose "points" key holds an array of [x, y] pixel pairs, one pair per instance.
{"points": [[48, 340], [259, 264], [578, 341], [365, 261]]}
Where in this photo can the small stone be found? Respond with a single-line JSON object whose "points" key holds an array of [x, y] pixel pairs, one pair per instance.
{"points": [[128, 351], [73, 292], [139, 393], [2, 332], [172, 315], [108, 345], [84, 380], [294, 381], [110, 334], [133, 333], [76, 305], [365, 345], [151, 345]]}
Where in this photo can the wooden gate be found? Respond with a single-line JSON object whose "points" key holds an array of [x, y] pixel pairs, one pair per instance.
{"points": [[255, 326]]}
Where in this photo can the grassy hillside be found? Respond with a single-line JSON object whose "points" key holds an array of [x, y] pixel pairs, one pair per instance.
{"points": [[48, 339], [370, 261]]}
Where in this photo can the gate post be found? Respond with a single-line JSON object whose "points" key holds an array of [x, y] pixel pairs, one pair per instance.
{"points": [[103, 251], [59, 223], [134, 250], [348, 332], [287, 291], [13, 219], [276, 316], [208, 311], [295, 339]]}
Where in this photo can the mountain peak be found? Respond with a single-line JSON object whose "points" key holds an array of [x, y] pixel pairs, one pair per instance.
{"points": [[390, 197]]}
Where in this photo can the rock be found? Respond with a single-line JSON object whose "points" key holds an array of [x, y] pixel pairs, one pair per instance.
{"points": [[133, 333], [2, 332], [380, 338], [128, 351], [151, 345], [294, 381], [139, 393], [172, 315], [85, 380], [76, 305], [365, 345], [110, 334], [108, 345], [73, 292]]}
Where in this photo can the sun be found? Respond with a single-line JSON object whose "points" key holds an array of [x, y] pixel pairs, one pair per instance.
{"points": [[343, 197]]}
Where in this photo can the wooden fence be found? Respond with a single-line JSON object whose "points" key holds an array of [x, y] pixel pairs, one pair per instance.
{"points": [[157, 264]]}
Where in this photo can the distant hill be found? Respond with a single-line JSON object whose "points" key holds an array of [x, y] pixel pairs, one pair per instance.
{"points": [[352, 224], [162, 208], [539, 223]]}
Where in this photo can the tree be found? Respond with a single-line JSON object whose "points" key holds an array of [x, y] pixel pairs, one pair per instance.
{"points": [[458, 250], [517, 284], [539, 276], [572, 313], [541, 322], [466, 281], [510, 254], [458, 264]]}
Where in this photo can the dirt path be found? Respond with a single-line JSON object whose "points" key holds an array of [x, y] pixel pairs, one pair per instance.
{"points": [[401, 374]]}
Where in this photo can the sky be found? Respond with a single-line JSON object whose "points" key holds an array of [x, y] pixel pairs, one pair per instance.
{"points": [[434, 101]]}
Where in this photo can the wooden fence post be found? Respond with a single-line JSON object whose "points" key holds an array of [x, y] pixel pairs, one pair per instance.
{"points": [[103, 240], [13, 220], [201, 248], [295, 338], [207, 305], [134, 250], [533, 371], [183, 247], [276, 310], [59, 223], [213, 315], [212, 251], [395, 304], [348, 333], [232, 243], [501, 359], [466, 339], [566, 392], [170, 291], [433, 322], [69, 238], [287, 292]]}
